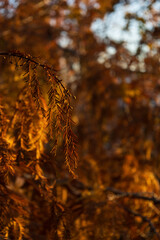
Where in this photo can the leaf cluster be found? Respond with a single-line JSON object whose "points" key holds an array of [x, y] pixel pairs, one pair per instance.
{"points": [[35, 119]]}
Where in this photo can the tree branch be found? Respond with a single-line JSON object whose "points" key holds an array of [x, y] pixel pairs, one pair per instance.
{"points": [[134, 195], [29, 58], [144, 219]]}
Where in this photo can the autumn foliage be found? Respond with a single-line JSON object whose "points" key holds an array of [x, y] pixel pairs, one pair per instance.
{"points": [[79, 120]]}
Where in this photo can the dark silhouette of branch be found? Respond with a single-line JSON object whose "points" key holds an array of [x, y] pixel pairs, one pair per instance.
{"points": [[133, 195], [121, 194], [76, 188], [144, 219]]}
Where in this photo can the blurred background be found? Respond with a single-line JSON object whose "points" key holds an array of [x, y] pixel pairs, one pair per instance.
{"points": [[107, 52]]}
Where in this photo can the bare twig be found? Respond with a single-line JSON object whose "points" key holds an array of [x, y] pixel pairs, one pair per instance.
{"points": [[117, 192], [134, 195], [144, 219]]}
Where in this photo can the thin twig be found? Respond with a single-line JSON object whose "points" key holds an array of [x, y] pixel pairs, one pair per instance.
{"points": [[144, 219], [134, 195], [117, 192]]}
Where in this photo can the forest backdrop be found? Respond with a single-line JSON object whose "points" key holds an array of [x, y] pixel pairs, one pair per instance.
{"points": [[107, 54]]}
